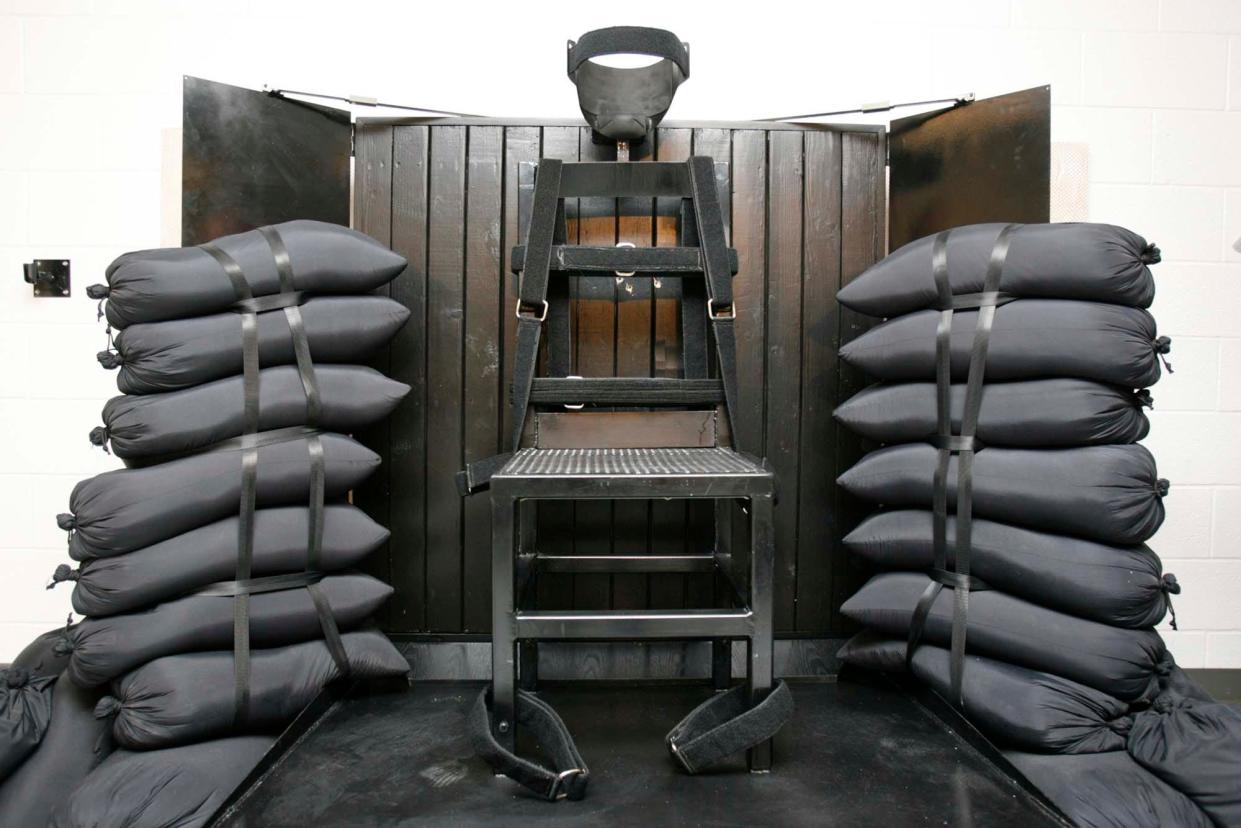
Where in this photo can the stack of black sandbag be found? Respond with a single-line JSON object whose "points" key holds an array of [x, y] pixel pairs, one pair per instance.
{"points": [[1015, 505], [215, 571]]}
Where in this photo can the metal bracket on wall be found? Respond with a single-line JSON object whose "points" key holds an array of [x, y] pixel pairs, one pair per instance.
{"points": [[50, 277]]}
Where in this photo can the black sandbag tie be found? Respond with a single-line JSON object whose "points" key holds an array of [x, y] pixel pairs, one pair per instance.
{"points": [[568, 776], [726, 724], [964, 445], [1163, 347]]}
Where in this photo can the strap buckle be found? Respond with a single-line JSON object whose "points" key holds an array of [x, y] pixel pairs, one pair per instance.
{"points": [[722, 312], [540, 318], [559, 789], [574, 406], [627, 273]]}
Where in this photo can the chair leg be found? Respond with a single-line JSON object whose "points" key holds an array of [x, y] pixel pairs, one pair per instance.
{"points": [[528, 664], [762, 575], [721, 663], [503, 645]]}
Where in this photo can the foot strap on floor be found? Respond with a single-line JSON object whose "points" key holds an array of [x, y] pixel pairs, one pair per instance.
{"points": [[568, 777], [726, 724], [721, 726]]}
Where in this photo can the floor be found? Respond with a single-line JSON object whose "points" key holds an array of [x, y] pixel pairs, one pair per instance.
{"points": [[855, 755]]}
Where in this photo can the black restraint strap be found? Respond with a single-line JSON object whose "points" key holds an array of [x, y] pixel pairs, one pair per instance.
{"points": [[270, 302], [241, 288], [568, 776], [532, 295], [721, 726], [720, 308], [256, 586], [963, 445], [632, 40], [726, 724]]}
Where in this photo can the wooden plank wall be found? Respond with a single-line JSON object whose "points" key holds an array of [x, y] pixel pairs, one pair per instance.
{"points": [[806, 210]]}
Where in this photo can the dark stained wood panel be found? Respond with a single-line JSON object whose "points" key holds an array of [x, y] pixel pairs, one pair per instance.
{"points": [[805, 208]]}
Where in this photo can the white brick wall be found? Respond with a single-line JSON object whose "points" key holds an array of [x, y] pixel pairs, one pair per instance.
{"points": [[1151, 87]]}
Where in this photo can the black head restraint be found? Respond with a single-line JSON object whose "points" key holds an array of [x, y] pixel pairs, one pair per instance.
{"points": [[626, 104]]}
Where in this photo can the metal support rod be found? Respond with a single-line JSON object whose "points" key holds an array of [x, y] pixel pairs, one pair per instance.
{"points": [[762, 571], [503, 628]]}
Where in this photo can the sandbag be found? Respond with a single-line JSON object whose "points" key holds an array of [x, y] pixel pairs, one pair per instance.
{"points": [[25, 710], [1051, 413], [1093, 262], [1014, 706], [189, 698], [126, 509], [1196, 748], [1122, 663], [180, 787], [1111, 494], [171, 568], [167, 356], [1108, 790], [1030, 339], [153, 427], [105, 648], [47, 655], [1119, 585], [176, 282], [74, 744]]}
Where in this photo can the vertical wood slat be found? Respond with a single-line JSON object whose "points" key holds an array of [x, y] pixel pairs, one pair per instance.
{"points": [[668, 517], [595, 340], [861, 227], [445, 329], [702, 590], [556, 517], [408, 424], [783, 355], [373, 212], [631, 519], [817, 521], [481, 402]]}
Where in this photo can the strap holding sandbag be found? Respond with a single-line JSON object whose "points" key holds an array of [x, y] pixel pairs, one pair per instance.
{"points": [[723, 725], [963, 445], [244, 585]]}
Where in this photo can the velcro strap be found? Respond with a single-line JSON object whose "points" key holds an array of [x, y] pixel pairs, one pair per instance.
{"points": [[568, 776], [955, 443], [726, 724], [629, 40], [257, 586], [231, 269], [955, 580], [971, 301], [270, 302]]}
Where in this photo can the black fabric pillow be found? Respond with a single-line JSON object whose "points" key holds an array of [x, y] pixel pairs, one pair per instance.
{"points": [[181, 786], [1094, 262], [176, 282], [147, 428], [1016, 707], [188, 698], [106, 648], [1118, 662], [171, 568], [1030, 339], [168, 356], [1108, 790], [1111, 494], [1050, 413], [126, 509], [1119, 585], [75, 742]]}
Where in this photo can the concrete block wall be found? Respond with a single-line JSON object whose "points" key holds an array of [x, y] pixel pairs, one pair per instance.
{"points": [[89, 89]]}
